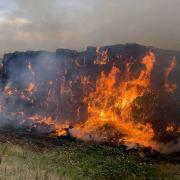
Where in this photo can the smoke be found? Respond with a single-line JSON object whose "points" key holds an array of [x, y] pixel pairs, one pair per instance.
{"points": [[30, 88], [45, 92], [44, 24], [169, 147]]}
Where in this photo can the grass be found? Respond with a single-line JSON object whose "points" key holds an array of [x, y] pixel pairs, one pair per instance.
{"points": [[77, 161]]}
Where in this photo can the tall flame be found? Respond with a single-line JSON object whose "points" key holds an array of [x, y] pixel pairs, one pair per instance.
{"points": [[110, 106]]}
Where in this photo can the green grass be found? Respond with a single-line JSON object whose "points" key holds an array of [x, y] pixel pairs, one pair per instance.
{"points": [[76, 161]]}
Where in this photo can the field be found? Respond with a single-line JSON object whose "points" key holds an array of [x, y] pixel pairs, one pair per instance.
{"points": [[27, 159]]}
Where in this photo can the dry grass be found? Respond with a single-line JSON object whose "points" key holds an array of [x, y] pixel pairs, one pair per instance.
{"points": [[77, 161], [21, 164], [168, 171]]}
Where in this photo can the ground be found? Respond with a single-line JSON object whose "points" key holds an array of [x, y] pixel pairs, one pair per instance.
{"points": [[28, 159]]}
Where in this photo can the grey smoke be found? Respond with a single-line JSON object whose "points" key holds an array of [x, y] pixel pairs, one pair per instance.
{"points": [[44, 24]]}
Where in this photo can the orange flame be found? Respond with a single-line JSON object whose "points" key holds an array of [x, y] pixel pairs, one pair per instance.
{"points": [[170, 87], [31, 87], [31, 69], [111, 106], [8, 90], [169, 128], [60, 129], [170, 68], [102, 57]]}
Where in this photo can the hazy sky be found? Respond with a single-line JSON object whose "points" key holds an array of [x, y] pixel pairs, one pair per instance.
{"points": [[52, 24]]}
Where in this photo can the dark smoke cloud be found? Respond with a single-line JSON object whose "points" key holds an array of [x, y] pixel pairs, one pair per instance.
{"points": [[45, 24]]}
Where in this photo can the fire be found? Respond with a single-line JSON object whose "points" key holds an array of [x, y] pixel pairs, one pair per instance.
{"points": [[31, 87], [169, 128], [170, 68], [8, 90], [60, 129], [107, 102], [40, 120], [102, 57], [110, 106], [31, 69], [170, 87], [172, 128]]}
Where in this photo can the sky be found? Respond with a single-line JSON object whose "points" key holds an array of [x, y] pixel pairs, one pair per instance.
{"points": [[76, 24]]}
